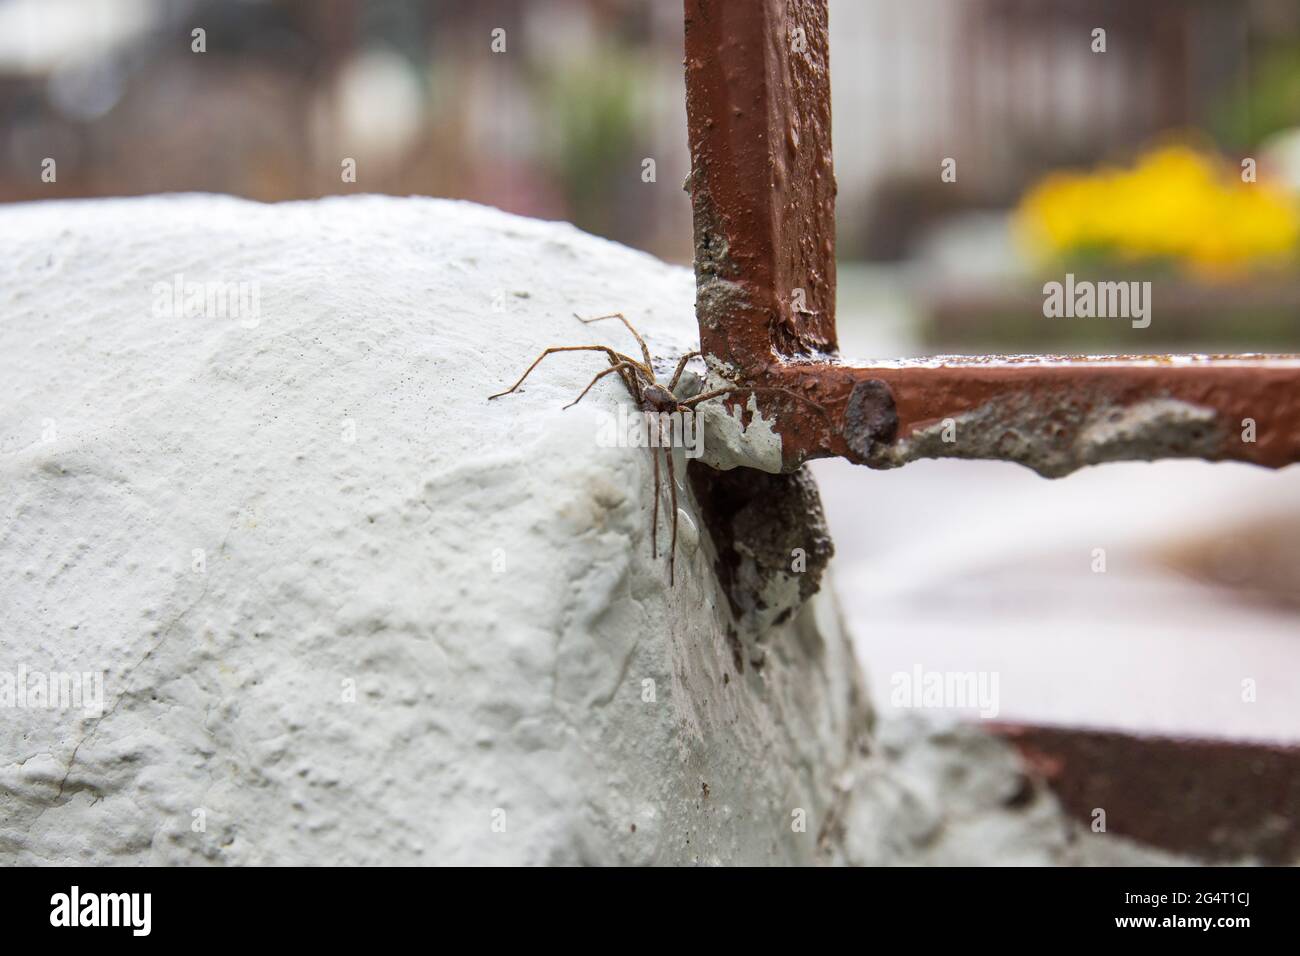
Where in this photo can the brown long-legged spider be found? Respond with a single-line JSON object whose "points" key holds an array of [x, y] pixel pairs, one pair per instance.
{"points": [[651, 397]]}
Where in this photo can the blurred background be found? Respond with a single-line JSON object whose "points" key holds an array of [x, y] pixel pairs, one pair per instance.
{"points": [[1128, 159], [1126, 163]]}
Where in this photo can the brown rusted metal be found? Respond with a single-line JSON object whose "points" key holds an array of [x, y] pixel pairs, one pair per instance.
{"points": [[762, 191], [1213, 799], [762, 183], [763, 194], [1053, 414]]}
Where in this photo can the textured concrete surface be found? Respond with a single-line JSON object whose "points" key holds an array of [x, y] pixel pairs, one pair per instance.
{"points": [[346, 610]]}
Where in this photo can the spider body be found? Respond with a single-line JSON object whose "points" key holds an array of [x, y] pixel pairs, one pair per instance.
{"points": [[654, 400]]}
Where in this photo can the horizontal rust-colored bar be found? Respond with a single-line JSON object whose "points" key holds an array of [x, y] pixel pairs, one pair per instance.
{"points": [[1212, 799], [1052, 414]]}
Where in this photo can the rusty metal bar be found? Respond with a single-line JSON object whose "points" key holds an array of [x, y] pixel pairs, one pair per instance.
{"points": [[763, 193], [1053, 414], [762, 184], [1214, 799]]}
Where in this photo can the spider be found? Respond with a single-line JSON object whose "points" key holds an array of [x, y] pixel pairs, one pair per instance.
{"points": [[650, 396]]}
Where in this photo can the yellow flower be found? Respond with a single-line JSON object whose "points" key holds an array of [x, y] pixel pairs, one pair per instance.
{"points": [[1175, 203]]}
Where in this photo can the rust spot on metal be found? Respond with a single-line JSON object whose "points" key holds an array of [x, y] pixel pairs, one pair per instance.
{"points": [[1213, 799], [870, 416]]}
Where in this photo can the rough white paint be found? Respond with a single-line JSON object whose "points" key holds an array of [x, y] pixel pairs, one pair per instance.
{"points": [[371, 560], [348, 611]]}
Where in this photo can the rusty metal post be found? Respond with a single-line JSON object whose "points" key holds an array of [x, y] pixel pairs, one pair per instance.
{"points": [[762, 183]]}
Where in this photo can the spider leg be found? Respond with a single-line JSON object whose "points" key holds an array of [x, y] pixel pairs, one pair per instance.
{"points": [[692, 402], [613, 357], [672, 487], [631, 377], [654, 502], [645, 352], [705, 396], [681, 366], [616, 367]]}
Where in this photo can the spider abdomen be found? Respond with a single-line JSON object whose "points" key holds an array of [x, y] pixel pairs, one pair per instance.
{"points": [[656, 398]]}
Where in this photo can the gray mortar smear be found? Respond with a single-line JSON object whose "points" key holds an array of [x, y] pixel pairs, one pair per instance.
{"points": [[728, 442], [950, 794], [769, 541], [1056, 440], [717, 294], [716, 297]]}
